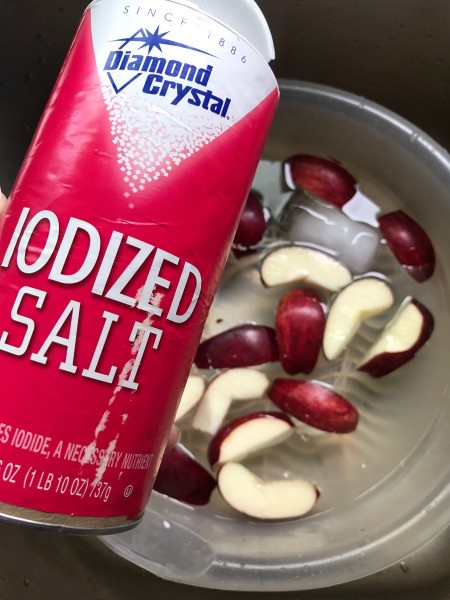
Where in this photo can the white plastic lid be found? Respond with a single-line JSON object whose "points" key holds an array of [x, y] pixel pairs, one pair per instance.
{"points": [[244, 17]]}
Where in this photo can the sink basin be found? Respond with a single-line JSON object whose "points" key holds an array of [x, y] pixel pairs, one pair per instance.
{"points": [[395, 54]]}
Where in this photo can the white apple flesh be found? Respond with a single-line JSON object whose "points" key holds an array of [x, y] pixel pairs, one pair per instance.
{"points": [[248, 434], [408, 330], [265, 500], [234, 384], [360, 300], [309, 221], [192, 393], [291, 264]]}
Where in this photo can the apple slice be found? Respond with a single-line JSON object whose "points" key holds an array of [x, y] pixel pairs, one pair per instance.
{"points": [[322, 178], [192, 393], [408, 330], [315, 404], [181, 477], [291, 264], [362, 299], [248, 434], [246, 345], [299, 326], [266, 500], [251, 228], [234, 384], [409, 243]]}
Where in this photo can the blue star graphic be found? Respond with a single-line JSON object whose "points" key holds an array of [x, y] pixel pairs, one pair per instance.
{"points": [[154, 40]]}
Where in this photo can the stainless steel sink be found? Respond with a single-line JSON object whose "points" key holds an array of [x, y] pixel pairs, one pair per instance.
{"points": [[395, 53], [40, 565]]}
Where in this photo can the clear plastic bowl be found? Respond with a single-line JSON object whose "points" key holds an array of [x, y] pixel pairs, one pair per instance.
{"points": [[385, 489]]}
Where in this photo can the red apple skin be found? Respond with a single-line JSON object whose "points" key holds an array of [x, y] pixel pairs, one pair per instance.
{"points": [[325, 179], [251, 228], [385, 363], [409, 244], [314, 404], [181, 477], [216, 442], [299, 327], [246, 345]]}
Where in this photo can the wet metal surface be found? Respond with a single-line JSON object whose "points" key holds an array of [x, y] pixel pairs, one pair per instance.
{"points": [[37, 565]]}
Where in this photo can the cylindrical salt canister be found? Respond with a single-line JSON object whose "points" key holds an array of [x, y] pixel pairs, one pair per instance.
{"points": [[112, 247]]}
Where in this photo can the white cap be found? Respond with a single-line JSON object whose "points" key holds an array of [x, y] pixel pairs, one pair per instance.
{"points": [[244, 17]]}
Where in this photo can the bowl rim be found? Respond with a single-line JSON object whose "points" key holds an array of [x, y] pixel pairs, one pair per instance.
{"points": [[395, 544], [332, 96]]}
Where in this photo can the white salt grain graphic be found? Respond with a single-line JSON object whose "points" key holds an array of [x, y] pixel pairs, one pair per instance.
{"points": [[151, 142]]}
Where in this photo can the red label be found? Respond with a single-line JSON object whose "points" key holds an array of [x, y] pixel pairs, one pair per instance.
{"points": [[103, 296]]}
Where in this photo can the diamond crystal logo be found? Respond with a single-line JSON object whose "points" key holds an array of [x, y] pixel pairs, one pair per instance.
{"points": [[149, 82], [176, 80]]}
